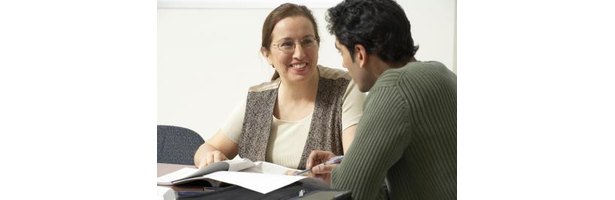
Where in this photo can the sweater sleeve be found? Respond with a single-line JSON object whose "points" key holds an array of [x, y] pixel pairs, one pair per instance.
{"points": [[381, 138]]}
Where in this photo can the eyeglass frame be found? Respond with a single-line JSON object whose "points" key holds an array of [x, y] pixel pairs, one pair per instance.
{"points": [[294, 44]]}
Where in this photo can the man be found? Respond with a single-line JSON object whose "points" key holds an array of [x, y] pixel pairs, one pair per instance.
{"points": [[408, 130]]}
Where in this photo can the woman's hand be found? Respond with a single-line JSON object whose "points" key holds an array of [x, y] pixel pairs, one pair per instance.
{"points": [[211, 157], [215, 149]]}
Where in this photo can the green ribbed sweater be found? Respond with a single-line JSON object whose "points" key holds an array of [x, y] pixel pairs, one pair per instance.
{"points": [[408, 134]]}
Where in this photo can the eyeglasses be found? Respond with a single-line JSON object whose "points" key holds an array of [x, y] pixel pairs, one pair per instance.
{"points": [[288, 45]]}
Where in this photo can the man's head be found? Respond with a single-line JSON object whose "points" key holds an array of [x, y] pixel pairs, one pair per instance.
{"points": [[377, 28]]}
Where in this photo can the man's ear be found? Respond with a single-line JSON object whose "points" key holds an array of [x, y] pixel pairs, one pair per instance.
{"points": [[360, 55], [266, 54]]}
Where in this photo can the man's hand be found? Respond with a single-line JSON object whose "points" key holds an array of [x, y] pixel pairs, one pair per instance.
{"points": [[317, 157], [314, 162]]}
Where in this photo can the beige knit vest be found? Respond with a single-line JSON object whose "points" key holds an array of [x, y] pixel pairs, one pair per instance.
{"points": [[325, 129]]}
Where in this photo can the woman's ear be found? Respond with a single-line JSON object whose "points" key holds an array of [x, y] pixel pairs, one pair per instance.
{"points": [[360, 55], [266, 54]]}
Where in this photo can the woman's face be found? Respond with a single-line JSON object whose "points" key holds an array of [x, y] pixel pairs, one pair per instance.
{"points": [[294, 49]]}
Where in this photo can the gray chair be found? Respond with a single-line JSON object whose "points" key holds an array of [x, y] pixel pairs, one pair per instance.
{"points": [[177, 145]]}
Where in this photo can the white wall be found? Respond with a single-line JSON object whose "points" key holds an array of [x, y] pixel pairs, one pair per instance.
{"points": [[208, 57]]}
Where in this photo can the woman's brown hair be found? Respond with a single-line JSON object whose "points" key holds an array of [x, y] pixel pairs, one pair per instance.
{"points": [[279, 13]]}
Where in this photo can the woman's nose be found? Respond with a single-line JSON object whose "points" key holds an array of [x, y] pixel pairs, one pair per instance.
{"points": [[299, 52]]}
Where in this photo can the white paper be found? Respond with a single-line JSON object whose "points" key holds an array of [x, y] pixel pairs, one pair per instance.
{"points": [[263, 183], [166, 179], [239, 164], [269, 168], [262, 177]]}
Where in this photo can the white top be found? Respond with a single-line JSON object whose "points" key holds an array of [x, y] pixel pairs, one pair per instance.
{"points": [[287, 138]]}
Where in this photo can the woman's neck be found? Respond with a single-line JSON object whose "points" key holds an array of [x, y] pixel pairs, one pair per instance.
{"points": [[295, 101], [299, 91]]}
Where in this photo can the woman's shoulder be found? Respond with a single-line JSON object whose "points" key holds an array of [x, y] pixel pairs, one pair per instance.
{"points": [[265, 86], [333, 73]]}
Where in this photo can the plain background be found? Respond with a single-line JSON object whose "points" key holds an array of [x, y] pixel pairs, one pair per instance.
{"points": [[535, 99], [208, 54]]}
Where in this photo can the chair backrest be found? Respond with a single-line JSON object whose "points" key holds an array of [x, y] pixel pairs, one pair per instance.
{"points": [[177, 145]]}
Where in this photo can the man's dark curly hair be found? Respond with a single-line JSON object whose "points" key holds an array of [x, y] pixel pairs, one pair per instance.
{"points": [[381, 26]]}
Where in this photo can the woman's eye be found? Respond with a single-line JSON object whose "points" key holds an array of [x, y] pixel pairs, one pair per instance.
{"points": [[287, 44]]}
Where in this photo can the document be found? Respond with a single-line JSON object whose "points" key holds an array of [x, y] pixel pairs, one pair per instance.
{"points": [[186, 175], [258, 176], [263, 183], [167, 180], [269, 168]]}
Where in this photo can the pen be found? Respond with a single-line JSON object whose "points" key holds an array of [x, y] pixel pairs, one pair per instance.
{"points": [[334, 160]]}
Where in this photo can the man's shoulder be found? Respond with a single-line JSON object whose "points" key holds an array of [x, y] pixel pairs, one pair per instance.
{"points": [[420, 66], [417, 71], [415, 74]]}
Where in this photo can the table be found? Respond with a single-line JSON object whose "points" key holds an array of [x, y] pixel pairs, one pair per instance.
{"points": [[165, 168]]}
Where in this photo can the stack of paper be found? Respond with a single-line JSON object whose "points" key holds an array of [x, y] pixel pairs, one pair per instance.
{"points": [[241, 172]]}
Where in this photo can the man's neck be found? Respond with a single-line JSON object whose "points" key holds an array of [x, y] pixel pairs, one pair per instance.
{"points": [[379, 66]]}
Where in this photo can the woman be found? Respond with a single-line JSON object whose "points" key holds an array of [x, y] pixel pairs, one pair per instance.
{"points": [[305, 107]]}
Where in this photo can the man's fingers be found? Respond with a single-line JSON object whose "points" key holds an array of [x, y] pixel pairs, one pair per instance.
{"points": [[323, 169], [309, 162], [317, 156]]}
